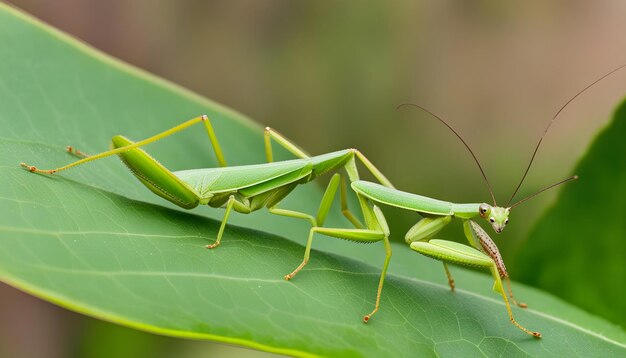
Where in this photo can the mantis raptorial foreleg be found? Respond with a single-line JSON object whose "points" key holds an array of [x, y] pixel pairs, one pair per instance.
{"points": [[449, 251], [480, 240], [428, 227]]}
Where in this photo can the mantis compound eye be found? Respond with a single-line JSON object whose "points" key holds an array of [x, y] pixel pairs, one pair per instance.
{"points": [[483, 210], [492, 220]]}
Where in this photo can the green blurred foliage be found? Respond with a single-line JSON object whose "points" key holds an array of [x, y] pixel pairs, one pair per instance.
{"points": [[577, 250]]}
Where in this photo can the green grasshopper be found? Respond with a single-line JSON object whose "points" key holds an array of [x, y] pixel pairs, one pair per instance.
{"points": [[252, 187]]}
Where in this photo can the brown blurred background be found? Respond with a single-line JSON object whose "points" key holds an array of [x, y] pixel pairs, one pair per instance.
{"points": [[329, 75]]}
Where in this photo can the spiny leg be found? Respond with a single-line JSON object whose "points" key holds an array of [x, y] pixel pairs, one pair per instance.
{"points": [[204, 119], [481, 241]]}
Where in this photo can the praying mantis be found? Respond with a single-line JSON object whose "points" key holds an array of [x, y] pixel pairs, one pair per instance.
{"points": [[249, 188]]}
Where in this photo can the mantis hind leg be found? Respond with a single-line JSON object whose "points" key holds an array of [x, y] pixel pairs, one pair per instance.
{"points": [[155, 176], [121, 149], [270, 134], [480, 240]]}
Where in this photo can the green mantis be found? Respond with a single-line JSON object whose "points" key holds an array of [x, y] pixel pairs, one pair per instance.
{"points": [[249, 188]]}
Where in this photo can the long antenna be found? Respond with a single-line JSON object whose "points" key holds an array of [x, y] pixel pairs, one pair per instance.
{"points": [[544, 189], [550, 124], [462, 140]]}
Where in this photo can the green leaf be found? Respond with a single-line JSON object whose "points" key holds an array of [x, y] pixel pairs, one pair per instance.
{"points": [[578, 246], [96, 241]]}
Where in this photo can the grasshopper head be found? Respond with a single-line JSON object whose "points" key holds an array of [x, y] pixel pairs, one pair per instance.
{"points": [[497, 216]]}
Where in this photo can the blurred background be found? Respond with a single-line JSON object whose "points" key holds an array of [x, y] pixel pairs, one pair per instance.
{"points": [[329, 76]]}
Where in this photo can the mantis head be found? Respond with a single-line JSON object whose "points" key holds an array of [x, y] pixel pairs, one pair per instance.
{"points": [[497, 216]]}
